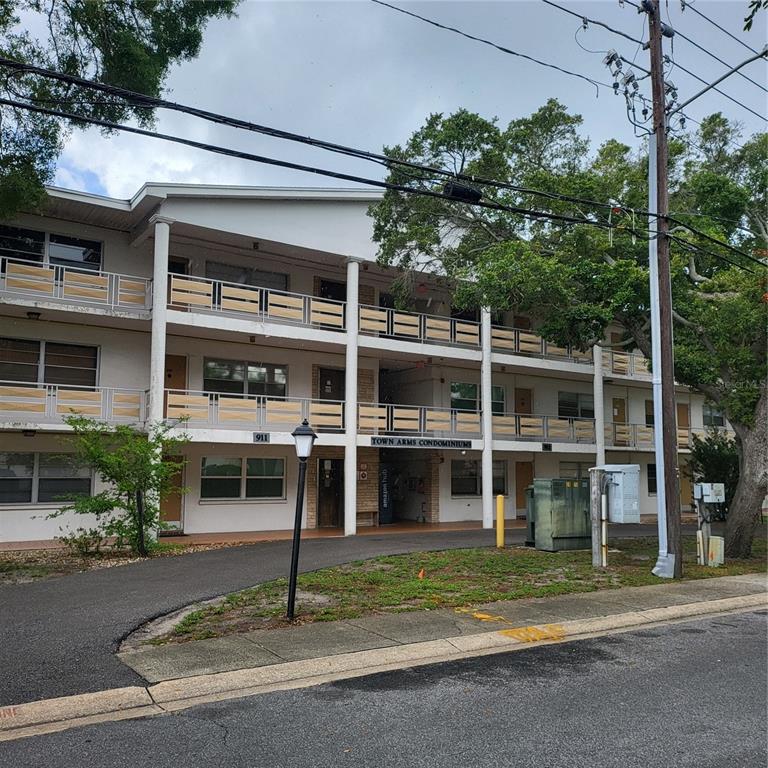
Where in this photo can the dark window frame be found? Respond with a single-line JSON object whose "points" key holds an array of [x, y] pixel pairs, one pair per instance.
{"points": [[86, 477]]}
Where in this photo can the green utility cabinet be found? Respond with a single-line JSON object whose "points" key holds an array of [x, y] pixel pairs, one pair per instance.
{"points": [[557, 512]]}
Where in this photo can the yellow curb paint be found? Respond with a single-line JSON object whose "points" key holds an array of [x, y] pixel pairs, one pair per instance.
{"points": [[535, 634]]}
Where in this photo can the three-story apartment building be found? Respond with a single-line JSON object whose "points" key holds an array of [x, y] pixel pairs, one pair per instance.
{"points": [[234, 313]]}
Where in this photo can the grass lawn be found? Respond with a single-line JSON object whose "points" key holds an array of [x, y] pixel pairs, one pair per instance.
{"points": [[453, 578]]}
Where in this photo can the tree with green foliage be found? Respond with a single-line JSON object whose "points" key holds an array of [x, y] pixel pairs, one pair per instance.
{"points": [[714, 459], [753, 9], [128, 43], [138, 470], [576, 281]]}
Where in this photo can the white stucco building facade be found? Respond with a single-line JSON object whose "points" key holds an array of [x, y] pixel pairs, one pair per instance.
{"points": [[233, 313]]}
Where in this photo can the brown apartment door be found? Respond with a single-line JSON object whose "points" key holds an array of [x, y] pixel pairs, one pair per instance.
{"points": [[175, 374], [332, 383], [619, 416], [330, 498], [523, 400], [523, 478], [170, 506]]}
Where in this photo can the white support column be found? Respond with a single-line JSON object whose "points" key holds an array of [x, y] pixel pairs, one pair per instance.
{"points": [[597, 389], [159, 314], [486, 399], [350, 407]]}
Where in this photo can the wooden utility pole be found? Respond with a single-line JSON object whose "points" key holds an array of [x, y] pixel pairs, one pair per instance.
{"points": [[668, 406]]}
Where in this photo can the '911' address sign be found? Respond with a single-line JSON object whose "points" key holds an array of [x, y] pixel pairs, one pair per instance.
{"points": [[261, 437]]}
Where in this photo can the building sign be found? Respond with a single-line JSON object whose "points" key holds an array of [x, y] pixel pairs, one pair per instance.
{"points": [[419, 442], [261, 437]]}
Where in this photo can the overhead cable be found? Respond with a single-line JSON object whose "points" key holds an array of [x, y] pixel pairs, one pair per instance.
{"points": [[502, 48], [154, 102]]}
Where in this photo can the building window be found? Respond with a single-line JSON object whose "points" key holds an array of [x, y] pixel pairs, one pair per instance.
{"points": [[649, 417], [466, 478], [574, 469], [235, 478], [25, 244], [466, 397], [74, 252], [575, 405], [258, 278], [713, 416], [41, 478], [240, 377], [651, 479], [32, 245], [48, 362]]}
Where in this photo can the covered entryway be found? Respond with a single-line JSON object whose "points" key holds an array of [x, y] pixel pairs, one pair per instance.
{"points": [[330, 493]]}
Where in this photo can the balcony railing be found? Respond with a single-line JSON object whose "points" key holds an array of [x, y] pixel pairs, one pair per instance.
{"points": [[625, 363], [518, 341], [51, 403], [631, 436], [257, 412], [413, 326], [202, 295], [523, 426], [388, 419], [641, 436], [73, 286]]}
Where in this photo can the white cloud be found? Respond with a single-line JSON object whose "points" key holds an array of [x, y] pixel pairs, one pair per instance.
{"points": [[360, 74]]}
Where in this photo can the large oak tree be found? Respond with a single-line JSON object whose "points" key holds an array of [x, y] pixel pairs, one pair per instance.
{"points": [[127, 43], [577, 281]]}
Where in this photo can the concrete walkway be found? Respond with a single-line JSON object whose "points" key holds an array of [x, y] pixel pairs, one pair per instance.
{"points": [[313, 641]]}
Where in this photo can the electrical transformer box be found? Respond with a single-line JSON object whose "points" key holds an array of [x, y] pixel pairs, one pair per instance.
{"points": [[709, 493], [558, 514], [623, 492]]}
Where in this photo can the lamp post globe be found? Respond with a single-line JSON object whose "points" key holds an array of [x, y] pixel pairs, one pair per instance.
{"points": [[304, 437]]}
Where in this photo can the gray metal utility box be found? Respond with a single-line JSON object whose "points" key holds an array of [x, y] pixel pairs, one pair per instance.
{"points": [[558, 514]]}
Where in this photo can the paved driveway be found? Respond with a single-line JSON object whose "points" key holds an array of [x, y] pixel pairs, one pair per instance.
{"points": [[59, 637]]}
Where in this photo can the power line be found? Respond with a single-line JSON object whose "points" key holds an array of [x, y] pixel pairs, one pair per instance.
{"points": [[689, 5], [525, 212], [590, 21], [498, 47], [704, 50], [712, 86], [153, 102], [691, 247]]}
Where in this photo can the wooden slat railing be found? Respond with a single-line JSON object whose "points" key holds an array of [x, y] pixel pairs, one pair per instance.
{"points": [[414, 326], [51, 403], [535, 427], [204, 295], [256, 412], [425, 420], [73, 286]]}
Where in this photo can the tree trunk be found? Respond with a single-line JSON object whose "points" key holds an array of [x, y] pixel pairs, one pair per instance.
{"points": [[746, 508], [141, 543]]}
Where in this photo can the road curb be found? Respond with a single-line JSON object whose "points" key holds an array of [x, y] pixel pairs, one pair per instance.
{"points": [[49, 715]]}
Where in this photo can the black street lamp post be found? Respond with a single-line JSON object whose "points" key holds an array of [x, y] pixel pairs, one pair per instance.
{"points": [[304, 437]]}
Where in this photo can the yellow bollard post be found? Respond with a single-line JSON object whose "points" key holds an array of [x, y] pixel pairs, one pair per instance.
{"points": [[500, 522]]}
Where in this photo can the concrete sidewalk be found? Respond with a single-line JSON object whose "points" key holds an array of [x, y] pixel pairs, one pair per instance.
{"points": [[319, 640]]}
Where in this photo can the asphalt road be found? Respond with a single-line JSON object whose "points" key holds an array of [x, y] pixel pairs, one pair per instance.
{"points": [[682, 695], [58, 637]]}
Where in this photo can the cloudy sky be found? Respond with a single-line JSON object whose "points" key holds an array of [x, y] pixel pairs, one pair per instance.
{"points": [[360, 74]]}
